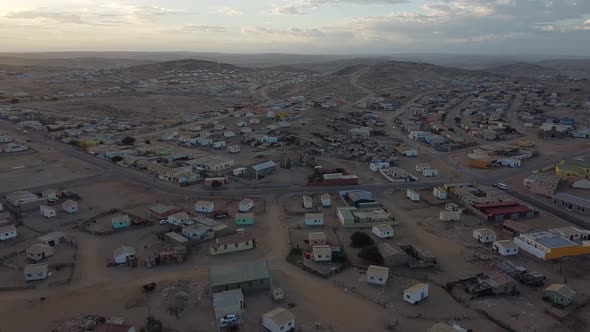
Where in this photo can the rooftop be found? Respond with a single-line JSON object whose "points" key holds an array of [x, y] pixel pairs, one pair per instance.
{"points": [[416, 288], [264, 165], [316, 236], [239, 272], [549, 240], [379, 271], [562, 289], [35, 268], [579, 201], [280, 316], [231, 239]]}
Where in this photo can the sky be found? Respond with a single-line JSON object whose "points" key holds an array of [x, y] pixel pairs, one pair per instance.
{"points": [[298, 26]]}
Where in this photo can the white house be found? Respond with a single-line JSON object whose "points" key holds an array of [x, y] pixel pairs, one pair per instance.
{"points": [[377, 274], [410, 153], [510, 162], [445, 215], [13, 147], [505, 247], [70, 206], [254, 121], [440, 193], [377, 165], [239, 171], [229, 134], [47, 211], [7, 232], [246, 130], [5, 138], [322, 253], [233, 149], [270, 115], [413, 195], [307, 202], [270, 139], [383, 231], [484, 235], [326, 200], [34, 272], [416, 293], [241, 124], [123, 254], [314, 219], [50, 195], [430, 172], [178, 218], [218, 144], [279, 320], [245, 205], [204, 206]]}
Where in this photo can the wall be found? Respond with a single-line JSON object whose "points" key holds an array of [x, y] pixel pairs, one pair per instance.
{"points": [[530, 249]]}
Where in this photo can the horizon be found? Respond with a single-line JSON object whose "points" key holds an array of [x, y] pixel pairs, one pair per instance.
{"points": [[303, 27]]}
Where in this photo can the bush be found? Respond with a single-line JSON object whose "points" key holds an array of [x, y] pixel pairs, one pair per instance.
{"points": [[116, 159], [371, 254], [128, 140], [147, 141], [14, 100], [361, 239]]}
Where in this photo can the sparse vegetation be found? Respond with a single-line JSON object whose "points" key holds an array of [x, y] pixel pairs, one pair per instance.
{"points": [[360, 240], [116, 159], [295, 255], [371, 254], [128, 140]]}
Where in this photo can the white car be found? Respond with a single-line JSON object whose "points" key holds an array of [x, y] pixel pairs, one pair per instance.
{"points": [[502, 186], [163, 222], [229, 319]]}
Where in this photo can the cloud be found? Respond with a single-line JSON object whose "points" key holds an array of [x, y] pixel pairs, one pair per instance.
{"points": [[302, 7], [230, 11], [204, 28]]}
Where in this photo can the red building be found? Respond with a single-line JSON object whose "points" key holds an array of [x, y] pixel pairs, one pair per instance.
{"points": [[501, 211]]}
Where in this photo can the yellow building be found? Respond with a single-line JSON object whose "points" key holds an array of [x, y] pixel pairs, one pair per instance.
{"points": [[573, 167], [548, 245]]}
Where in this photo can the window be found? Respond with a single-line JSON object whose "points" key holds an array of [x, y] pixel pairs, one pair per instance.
{"points": [[225, 246], [380, 279], [236, 245], [408, 296]]}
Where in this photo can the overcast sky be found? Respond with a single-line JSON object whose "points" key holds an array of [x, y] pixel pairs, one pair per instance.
{"points": [[298, 26]]}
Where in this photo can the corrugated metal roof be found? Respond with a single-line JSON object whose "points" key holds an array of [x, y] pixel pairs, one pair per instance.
{"points": [[240, 272]]}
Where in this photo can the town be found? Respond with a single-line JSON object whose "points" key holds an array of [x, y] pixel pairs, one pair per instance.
{"points": [[191, 195]]}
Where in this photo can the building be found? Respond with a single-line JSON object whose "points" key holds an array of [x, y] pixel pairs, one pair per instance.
{"points": [[121, 221], [233, 149], [243, 219], [248, 276], [559, 294], [204, 206], [262, 170], [111, 327], [238, 242], [572, 203], [484, 235], [279, 320], [322, 253], [514, 227], [47, 211], [377, 275], [445, 215], [505, 247], [416, 293], [317, 239], [178, 218], [212, 163], [413, 195], [246, 204], [13, 147], [326, 200], [175, 239], [393, 255], [7, 232], [547, 245], [351, 217], [124, 254], [314, 219], [198, 232], [572, 233], [440, 193], [37, 271], [50, 195], [228, 302], [573, 167], [39, 251], [70, 206], [383, 231], [307, 202], [25, 200], [499, 211], [53, 239], [544, 185]]}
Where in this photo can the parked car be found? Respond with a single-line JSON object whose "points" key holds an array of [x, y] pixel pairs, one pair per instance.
{"points": [[502, 186], [229, 319], [163, 222]]}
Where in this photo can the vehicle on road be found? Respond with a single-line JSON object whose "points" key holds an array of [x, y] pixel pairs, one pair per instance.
{"points": [[228, 320], [501, 185], [163, 222]]}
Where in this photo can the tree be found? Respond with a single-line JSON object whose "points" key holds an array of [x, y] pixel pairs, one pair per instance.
{"points": [[147, 141], [14, 100], [371, 254], [128, 140], [360, 240], [216, 183], [116, 159]]}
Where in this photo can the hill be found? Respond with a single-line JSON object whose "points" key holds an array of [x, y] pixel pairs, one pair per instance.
{"points": [[523, 70], [74, 63], [571, 67]]}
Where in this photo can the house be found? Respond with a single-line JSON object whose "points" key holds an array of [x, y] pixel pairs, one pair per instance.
{"points": [[233, 149], [70, 206], [581, 184], [13, 147], [413, 195], [322, 253], [228, 302], [39, 251], [572, 167], [393, 255], [307, 202], [572, 233], [124, 254], [218, 144], [175, 239], [50, 195], [314, 219], [7, 232], [326, 200], [111, 327], [505, 247], [178, 218], [204, 206], [25, 200], [242, 219], [121, 221], [317, 238], [440, 193], [163, 211], [377, 165], [416, 293], [37, 271], [383, 231], [229, 134], [197, 232], [53, 239], [247, 276], [484, 235], [238, 242], [357, 218], [548, 245], [212, 163], [377, 274], [262, 170], [47, 211], [279, 320], [559, 294], [245, 205], [573, 203]]}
